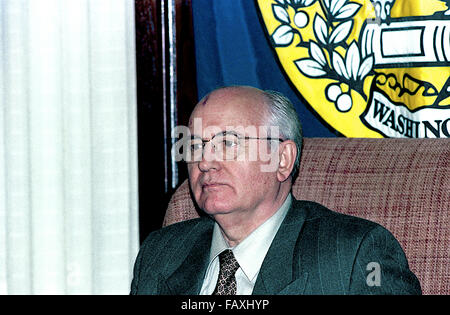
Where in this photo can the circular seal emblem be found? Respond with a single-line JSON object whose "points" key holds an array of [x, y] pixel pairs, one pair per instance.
{"points": [[378, 68]]}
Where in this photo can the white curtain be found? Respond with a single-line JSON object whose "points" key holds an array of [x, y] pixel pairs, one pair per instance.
{"points": [[68, 155]]}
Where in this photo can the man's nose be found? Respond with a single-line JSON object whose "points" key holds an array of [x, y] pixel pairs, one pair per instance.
{"points": [[209, 160]]}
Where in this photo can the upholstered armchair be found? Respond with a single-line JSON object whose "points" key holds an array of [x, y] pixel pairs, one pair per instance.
{"points": [[403, 184]]}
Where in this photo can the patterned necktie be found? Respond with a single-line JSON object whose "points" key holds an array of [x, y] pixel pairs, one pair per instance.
{"points": [[226, 284]]}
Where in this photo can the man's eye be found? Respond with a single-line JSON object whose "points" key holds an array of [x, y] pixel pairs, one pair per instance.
{"points": [[229, 143], [196, 146]]}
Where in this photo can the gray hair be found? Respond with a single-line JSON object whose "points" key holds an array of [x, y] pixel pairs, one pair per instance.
{"points": [[283, 114]]}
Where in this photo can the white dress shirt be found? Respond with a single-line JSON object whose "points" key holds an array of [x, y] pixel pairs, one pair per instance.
{"points": [[249, 253]]}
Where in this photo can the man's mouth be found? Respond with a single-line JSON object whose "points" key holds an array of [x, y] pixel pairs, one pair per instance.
{"points": [[211, 186]]}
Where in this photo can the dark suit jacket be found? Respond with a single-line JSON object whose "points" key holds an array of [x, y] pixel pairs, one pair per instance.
{"points": [[315, 251]]}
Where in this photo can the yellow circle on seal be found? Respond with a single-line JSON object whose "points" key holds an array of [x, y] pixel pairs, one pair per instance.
{"points": [[376, 68]]}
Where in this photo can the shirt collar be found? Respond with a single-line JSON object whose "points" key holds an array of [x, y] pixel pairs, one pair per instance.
{"points": [[251, 251]]}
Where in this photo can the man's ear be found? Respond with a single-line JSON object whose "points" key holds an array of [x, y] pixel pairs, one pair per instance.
{"points": [[288, 154]]}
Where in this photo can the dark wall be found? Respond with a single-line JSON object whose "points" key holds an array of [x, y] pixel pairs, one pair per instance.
{"points": [[154, 143]]}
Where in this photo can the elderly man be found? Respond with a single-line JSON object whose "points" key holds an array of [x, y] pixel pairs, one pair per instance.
{"points": [[255, 238]]}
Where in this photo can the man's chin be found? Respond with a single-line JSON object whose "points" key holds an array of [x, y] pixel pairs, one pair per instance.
{"points": [[210, 201], [215, 208]]}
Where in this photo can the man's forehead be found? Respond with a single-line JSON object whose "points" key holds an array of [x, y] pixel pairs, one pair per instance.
{"points": [[204, 101], [199, 129], [233, 94], [231, 106], [228, 123]]}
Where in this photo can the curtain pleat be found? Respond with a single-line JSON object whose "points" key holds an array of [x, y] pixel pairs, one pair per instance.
{"points": [[68, 155]]}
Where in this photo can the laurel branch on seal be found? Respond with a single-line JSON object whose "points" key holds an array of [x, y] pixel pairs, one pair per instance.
{"points": [[331, 32]]}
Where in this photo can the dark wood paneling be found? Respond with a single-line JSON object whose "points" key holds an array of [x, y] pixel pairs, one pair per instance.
{"points": [[186, 74], [150, 113], [155, 173], [187, 82]]}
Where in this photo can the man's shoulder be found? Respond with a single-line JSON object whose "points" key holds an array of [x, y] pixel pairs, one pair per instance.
{"points": [[348, 244], [169, 244], [319, 215], [175, 232]]}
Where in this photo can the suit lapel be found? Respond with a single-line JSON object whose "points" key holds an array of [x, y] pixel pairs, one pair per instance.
{"points": [[278, 275], [277, 271], [188, 277]]}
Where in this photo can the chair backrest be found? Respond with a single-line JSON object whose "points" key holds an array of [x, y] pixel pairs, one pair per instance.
{"points": [[403, 184]]}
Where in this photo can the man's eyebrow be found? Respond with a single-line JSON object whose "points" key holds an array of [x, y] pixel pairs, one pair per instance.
{"points": [[222, 133]]}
